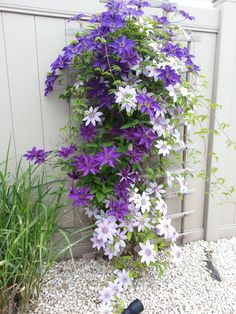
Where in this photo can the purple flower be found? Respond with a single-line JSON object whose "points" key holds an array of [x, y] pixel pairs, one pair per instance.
{"points": [[115, 131], [112, 20], [128, 176], [130, 57], [168, 7], [135, 155], [100, 60], [193, 67], [108, 156], [122, 45], [65, 152], [119, 209], [49, 83], [76, 17], [162, 20], [173, 50], [121, 189], [146, 136], [80, 196], [86, 164], [88, 132], [96, 88], [140, 3], [134, 12], [73, 49], [148, 104], [128, 134], [74, 175], [60, 63], [186, 15], [107, 100], [169, 76], [37, 155], [116, 6]]}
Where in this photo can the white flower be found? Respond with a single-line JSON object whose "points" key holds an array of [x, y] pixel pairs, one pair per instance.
{"points": [[105, 309], [121, 237], [161, 206], [110, 252], [92, 116], [176, 255], [127, 225], [142, 222], [164, 228], [144, 91], [173, 92], [107, 202], [106, 230], [106, 295], [156, 46], [182, 183], [155, 188], [159, 124], [138, 68], [126, 96], [170, 179], [91, 212], [173, 234], [134, 195], [131, 79], [116, 288], [144, 26], [143, 202], [184, 92], [124, 279], [147, 252], [97, 243], [178, 139], [163, 148]]}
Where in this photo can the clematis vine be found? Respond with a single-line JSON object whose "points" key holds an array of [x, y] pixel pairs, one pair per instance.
{"points": [[130, 99]]}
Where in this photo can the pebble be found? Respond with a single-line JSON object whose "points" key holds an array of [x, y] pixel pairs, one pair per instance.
{"points": [[72, 287]]}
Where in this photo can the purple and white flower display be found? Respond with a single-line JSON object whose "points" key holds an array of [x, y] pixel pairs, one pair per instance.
{"points": [[130, 98]]}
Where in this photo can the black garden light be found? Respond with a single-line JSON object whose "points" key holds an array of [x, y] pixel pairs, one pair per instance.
{"points": [[135, 307]]}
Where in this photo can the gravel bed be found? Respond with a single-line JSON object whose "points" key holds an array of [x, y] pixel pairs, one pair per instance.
{"points": [[72, 287]]}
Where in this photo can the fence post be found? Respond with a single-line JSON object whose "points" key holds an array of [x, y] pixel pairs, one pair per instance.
{"points": [[224, 94]]}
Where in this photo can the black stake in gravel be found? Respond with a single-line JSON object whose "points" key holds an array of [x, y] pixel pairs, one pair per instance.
{"points": [[135, 307]]}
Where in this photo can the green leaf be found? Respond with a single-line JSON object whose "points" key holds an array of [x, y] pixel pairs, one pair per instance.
{"points": [[129, 236], [130, 124], [100, 197]]}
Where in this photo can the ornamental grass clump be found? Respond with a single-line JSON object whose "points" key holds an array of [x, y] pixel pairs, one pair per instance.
{"points": [[30, 204], [132, 88]]}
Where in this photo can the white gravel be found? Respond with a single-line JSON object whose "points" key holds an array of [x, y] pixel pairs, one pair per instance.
{"points": [[72, 287]]}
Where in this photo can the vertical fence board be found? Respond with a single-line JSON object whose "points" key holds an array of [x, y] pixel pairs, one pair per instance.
{"points": [[23, 80], [6, 125], [204, 51], [50, 39]]}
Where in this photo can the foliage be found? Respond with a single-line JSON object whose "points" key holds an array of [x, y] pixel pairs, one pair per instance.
{"points": [[29, 206]]}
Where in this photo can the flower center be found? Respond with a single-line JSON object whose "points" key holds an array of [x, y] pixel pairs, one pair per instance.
{"points": [[105, 230], [144, 202], [148, 252], [91, 115]]}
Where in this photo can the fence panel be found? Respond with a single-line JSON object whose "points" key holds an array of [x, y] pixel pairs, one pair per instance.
{"points": [[30, 37]]}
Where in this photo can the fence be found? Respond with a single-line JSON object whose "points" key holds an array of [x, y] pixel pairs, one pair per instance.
{"points": [[30, 37]]}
